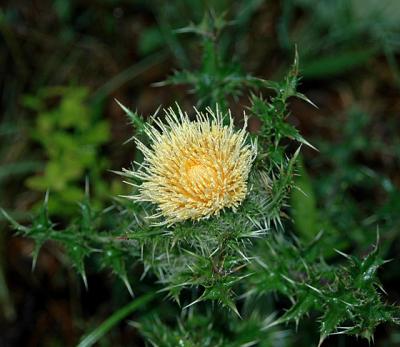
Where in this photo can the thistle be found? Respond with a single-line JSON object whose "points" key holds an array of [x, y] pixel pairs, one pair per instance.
{"points": [[193, 169]]}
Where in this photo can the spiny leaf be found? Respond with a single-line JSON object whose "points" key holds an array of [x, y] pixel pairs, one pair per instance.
{"points": [[303, 306], [78, 251], [114, 258], [221, 294], [136, 120]]}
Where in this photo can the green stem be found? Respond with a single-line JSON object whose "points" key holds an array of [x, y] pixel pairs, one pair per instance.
{"points": [[128, 75], [114, 319]]}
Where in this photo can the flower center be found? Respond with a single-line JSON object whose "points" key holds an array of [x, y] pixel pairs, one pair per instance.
{"points": [[199, 173]]}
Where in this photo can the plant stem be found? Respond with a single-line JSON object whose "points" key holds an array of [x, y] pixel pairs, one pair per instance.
{"points": [[114, 319]]}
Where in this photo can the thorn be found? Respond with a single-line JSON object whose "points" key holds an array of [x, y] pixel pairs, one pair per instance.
{"points": [[128, 286], [34, 260], [309, 144], [319, 236], [388, 261], [13, 222], [154, 115], [35, 255], [382, 289], [313, 288], [341, 253], [288, 279], [321, 340], [132, 138], [296, 154], [261, 263], [192, 303], [304, 98], [233, 307], [84, 279], [122, 106], [273, 323]]}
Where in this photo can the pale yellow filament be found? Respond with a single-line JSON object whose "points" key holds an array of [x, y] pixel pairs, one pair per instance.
{"points": [[194, 169]]}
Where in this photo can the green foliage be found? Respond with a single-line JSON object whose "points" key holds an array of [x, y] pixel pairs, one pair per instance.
{"points": [[274, 114], [114, 319], [347, 296], [233, 253], [81, 239], [230, 266], [195, 330], [335, 34], [217, 78], [341, 174], [71, 134], [174, 15]]}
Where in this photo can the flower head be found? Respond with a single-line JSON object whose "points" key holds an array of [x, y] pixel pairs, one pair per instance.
{"points": [[193, 169]]}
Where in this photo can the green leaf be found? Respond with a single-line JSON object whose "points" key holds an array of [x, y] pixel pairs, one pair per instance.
{"points": [[136, 120], [77, 252], [303, 306], [94, 336], [333, 316], [340, 62], [114, 258], [221, 294], [303, 205]]}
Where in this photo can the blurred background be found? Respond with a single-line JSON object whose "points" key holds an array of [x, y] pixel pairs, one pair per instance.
{"points": [[62, 64]]}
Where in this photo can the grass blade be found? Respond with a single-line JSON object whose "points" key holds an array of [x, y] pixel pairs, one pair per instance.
{"points": [[114, 319]]}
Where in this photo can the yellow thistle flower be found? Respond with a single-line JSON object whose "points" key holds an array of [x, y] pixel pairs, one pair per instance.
{"points": [[193, 170]]}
